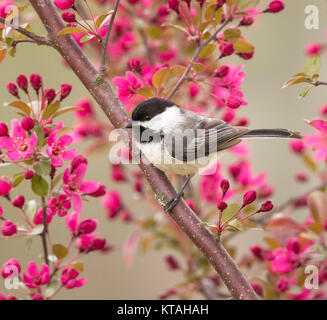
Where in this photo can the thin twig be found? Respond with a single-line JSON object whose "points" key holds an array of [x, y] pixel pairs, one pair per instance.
{"points": [[45, 231], [37, 39], [195, 56], [102, 69]]}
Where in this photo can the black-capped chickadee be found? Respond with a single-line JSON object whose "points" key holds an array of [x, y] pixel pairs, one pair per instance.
{"points": [[181, 141]]}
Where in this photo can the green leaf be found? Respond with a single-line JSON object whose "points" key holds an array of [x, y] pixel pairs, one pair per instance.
{"points": [[43, 168], [207, 51], [230, 211], [3, 53], [243, 46], [36, 230], [22, 106], [174, 26], [70, 30], [86, 38], [39, 186], [18, 180], [40, 135], [160, 77], [65, 110], [232, 34], [60, 251], [101, 18], [293, 81], [51, 109], [198, 67], [305, 91], [78, 266], [146, 92], [312, 65]]}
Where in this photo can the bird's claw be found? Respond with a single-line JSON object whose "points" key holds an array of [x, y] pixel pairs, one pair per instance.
{"points": [[171, 204]]}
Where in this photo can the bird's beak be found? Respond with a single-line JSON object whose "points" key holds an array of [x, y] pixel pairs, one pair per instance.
{"points": [[129, 125]]}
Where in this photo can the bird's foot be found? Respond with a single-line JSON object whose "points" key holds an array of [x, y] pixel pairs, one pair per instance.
{"points": [[171, 204]]}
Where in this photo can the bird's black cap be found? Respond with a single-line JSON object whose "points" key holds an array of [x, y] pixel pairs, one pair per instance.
{"points": [[148, 109]]}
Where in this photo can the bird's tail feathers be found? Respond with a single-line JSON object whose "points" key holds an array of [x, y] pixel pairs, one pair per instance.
{"points": [[273, 133]]}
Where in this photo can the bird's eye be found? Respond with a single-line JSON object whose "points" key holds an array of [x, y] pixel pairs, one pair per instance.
{"points": [[147, 118]]}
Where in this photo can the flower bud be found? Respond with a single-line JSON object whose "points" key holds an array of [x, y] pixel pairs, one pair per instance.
{"points": [[36, 82], [138, 186], [5, 186], [257, 288], [222, 206], [8, 228], [65, 91], [227, 50], [13, 90], [135, 64], [19, 201], [50, 95], [257, 251], [282, 284], [249, 197], [99, 244], [224, 185], [222, 72], [87, 226], [297, 146], [233, 102], [313, 49], [275, 6], [220, 3], [101, 191], [27, 123], [3, 129], [293, 245], [68, 16], [172, 263], [246, 21], [125, 216], [266, 207], [77, 161], [246, 55], [28, 174], [163, 11], [173, 5], [22, 83]]}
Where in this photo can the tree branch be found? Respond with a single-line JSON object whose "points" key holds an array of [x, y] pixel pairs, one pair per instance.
{"points": [[102, 69], [45, 231], [36, 38], [195, 56], [188, 221]]}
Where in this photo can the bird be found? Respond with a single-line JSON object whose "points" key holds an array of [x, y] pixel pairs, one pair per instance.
{"points": [[181, 141]]}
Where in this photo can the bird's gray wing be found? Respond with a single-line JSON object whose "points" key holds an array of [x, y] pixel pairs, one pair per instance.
{"points": [[206, 137]]}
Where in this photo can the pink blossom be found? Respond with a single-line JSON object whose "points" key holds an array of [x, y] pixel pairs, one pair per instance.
{"points": [[194, 89], [242, 173], [3, 5], [90, 242], [69, 278], [318, 142], [35, 278], [72, 222], [18, 146], [227, 89], [282, 284], [60, 205], [10, 267], [112, 203], [64, 4], [38, 218], [74, 185], [56, 149], [210, 190], [88, 225], [128, 86], [86, 109], [282, 261], [10, 297]]}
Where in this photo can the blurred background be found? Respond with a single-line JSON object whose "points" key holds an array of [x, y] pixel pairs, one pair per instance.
{"points": [[279, 44]]}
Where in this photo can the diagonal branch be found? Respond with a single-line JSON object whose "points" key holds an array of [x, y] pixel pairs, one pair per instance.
{"points": [[36, 38], [102, 69], [187, 220], [195, 56]]}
